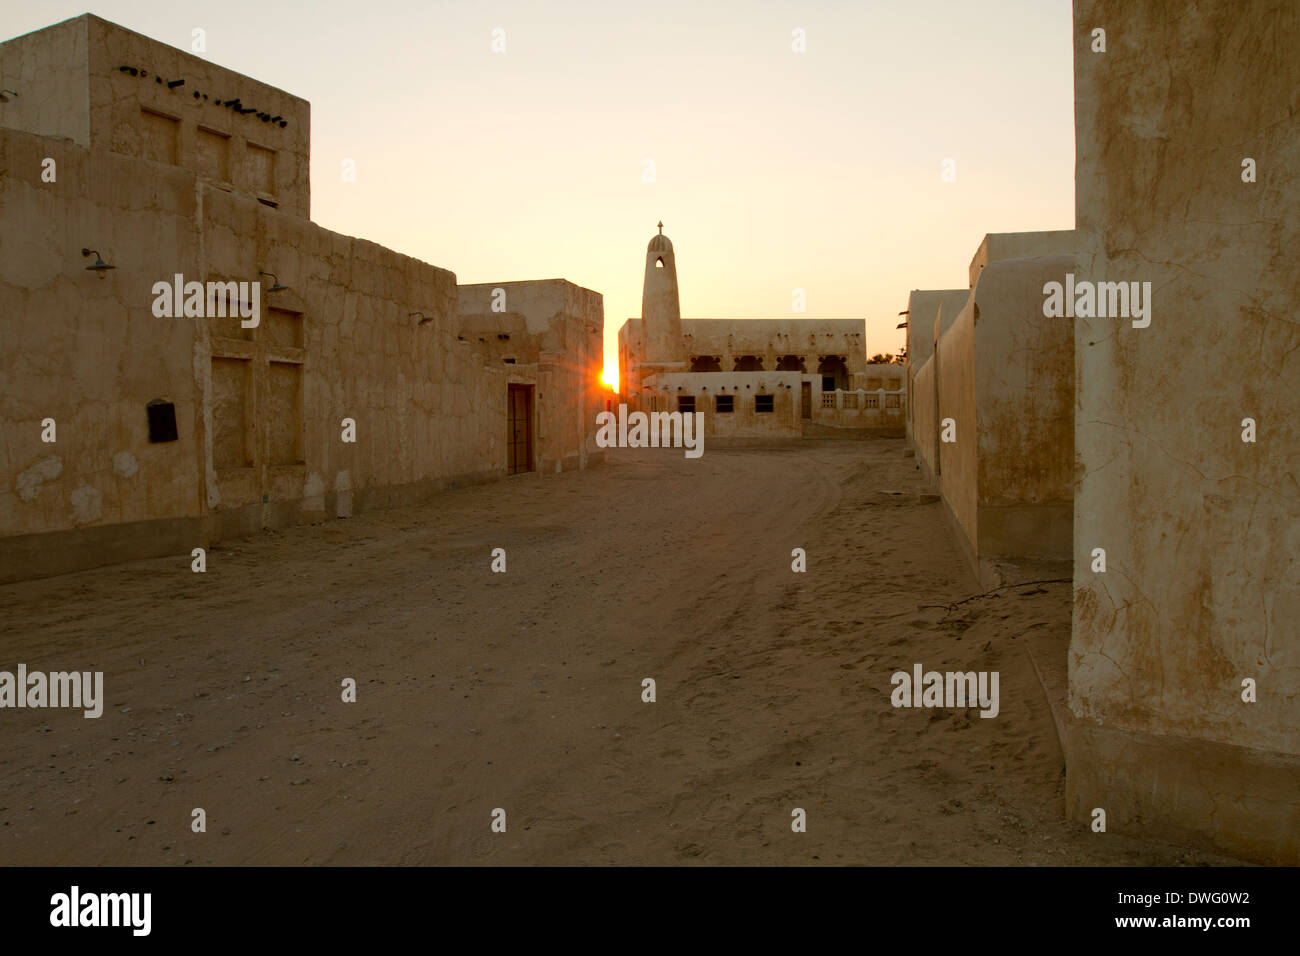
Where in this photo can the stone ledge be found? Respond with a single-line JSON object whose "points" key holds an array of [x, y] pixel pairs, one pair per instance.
{"points": [[1231, 800], [26, 557], [29, 556]]}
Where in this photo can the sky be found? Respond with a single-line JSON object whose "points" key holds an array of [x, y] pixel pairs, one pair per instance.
{"points": [[772, 170]]}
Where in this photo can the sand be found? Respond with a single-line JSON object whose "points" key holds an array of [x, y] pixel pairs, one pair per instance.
{"points": [[523, 690]]}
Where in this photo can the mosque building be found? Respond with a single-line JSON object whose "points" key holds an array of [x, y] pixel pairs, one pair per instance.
{"points": [[753, 378]]}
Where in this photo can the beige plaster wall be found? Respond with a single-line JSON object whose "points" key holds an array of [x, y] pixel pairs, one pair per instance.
{"points": [[425, 408], [890, 376], [1004, 373], [1024, 389], [560, 327], [1201, 530], [924, 307], [782, 422], [71, 84], [49, 70], [921, 395], [954, 363], [89, 353], [631, 347], [996, 246]]}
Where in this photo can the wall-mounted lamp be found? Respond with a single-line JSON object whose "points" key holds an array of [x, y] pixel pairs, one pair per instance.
{"points": [[423, 318], [5, 94], [276, 287], [99, 266]]}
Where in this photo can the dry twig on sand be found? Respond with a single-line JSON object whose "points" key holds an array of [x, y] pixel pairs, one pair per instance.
{"points": [[952, 605]]}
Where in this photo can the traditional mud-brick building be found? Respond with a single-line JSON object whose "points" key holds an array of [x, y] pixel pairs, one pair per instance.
{"points": [[1117, 441], [368, 379]]}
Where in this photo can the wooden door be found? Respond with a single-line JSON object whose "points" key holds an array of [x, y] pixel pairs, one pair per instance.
{"points": [[805, 394], [519, 429]]}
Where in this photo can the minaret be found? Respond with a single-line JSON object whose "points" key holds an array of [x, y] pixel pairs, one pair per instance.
{"points": [[661, 313]]}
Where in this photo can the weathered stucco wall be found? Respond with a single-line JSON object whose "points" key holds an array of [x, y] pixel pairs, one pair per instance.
{"points": [[924, 308], [1024, 388], [559, 327], [996, 246], [1201, 530], [954, 363], [425, 408], [921, 396], [743, 422], [87, 351], [1004, 373], [890, 376], [49, 70], [224, 134], [230, 129], [259, 410], [631, 347]]}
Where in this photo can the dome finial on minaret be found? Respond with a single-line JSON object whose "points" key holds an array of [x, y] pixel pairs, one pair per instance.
{"points": [[661, 227]]}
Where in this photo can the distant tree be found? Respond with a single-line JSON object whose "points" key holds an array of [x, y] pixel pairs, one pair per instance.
{"points": [[881, 359]]}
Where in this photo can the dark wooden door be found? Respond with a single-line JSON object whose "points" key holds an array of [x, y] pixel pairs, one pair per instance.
{"points": [[519, 429], [805, 394]]}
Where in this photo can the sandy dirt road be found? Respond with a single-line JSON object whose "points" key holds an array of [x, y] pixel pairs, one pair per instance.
{"points": [[523, 690]]}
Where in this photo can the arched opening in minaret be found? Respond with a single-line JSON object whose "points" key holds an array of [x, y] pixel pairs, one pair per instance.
{"points": [[659, 263]]}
